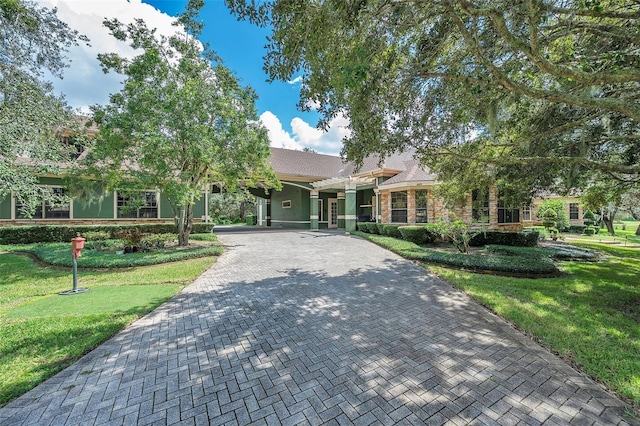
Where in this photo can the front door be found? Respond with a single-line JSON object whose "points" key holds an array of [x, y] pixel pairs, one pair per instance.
{"points": [[333, 212]]}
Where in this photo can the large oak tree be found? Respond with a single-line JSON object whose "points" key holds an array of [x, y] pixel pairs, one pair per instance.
{"points": [[180, 122], [524, 94], [32, 40]]}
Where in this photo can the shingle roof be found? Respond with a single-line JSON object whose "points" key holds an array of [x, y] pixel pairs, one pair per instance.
{"points": [[312, 165], [306, 164], [413, 173]]}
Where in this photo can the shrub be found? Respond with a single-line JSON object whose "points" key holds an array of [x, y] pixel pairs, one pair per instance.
{"points": [[477, 262], [96, 240], [413, 233], [250, 219], [577, 229], [64, 233], [362, 226], [391, 231], [380, 227], [455, 230], [554, 251], [372, 227], [156, 241], [522, 239], [589, 230], [204, 237], [130, 237]]}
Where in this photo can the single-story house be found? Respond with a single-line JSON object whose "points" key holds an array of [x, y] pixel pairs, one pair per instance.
{"points": [[318, 192]]}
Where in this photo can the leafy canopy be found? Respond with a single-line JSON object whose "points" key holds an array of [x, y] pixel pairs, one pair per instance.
{"points": [[180, 122], [32, 40], [528, 95]]}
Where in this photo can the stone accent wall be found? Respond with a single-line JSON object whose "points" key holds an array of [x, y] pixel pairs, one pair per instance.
{"points": [[411, 206], [385, 207]]}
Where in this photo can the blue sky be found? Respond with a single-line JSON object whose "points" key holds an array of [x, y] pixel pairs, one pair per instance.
{"points": [[240, 44]]}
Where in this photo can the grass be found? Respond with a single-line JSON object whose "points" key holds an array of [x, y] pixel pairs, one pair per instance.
{"points": [[42, 332], [590, 316]]}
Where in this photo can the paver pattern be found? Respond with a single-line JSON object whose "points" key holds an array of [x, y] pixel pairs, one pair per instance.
{"points": [[317, 328]]}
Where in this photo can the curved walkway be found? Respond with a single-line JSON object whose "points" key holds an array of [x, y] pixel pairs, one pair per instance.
{"points": [[311, 328]]}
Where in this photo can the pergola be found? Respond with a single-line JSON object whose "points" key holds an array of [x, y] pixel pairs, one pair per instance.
{"points": [[349, 184]]}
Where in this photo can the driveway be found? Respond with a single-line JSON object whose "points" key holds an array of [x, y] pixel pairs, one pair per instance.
{"points": [[317, 327]]}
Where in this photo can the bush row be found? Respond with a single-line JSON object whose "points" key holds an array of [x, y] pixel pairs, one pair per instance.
{"points": [[64, 233], [512, 263], [518, 239], [57, 254], [421, 234]]}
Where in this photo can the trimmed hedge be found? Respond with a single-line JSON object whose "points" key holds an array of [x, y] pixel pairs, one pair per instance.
{"points": [[415, 234], [380, 227], [64, 233], [533, 265], [362, 226], [554, 251], [519, 239], [391, 231], [372, 227]]}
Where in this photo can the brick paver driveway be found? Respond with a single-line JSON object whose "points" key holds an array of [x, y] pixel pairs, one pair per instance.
{"points": [[311, 328]]}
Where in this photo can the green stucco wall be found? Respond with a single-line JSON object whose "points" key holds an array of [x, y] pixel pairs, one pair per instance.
{"points": [[297, 216], [103, 210], [5, 207]]}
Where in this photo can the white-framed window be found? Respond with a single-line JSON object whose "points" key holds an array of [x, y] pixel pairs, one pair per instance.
{"points": [[399, 207], [286, 204], [480, 205], [53, 210], [421, 205], [134, 207], [507, 214], [574, 211], [526, 213]]}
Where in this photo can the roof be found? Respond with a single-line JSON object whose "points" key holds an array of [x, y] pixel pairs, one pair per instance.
{"points": [[306, 164], [413, 173], [321, 166]]}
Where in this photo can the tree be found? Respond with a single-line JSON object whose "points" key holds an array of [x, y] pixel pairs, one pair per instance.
{"points": [[559, 217], [527, 95], [180, 122], [32, 40]]}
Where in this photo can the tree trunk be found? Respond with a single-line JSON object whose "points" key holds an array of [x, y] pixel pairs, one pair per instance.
{"points": [[185, 224], [607, 217], [638, 230]]}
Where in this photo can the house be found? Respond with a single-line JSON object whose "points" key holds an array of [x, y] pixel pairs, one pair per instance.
{"points": [[318, 192]]}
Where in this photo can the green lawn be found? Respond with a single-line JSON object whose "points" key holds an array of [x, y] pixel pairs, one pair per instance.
{"points": [[42, 332], [590, 316]]}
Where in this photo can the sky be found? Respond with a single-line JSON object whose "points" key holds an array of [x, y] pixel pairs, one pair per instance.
{"points": [[239, 43]]}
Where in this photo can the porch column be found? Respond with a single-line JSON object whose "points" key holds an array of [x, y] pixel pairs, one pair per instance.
{"points": [[313, 215], [268, 201], [350, 215], [341, 210]]}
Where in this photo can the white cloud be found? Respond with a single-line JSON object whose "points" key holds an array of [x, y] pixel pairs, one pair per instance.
{"points": [[296, 80], [303, 135], [84, 82], [278, 137]]}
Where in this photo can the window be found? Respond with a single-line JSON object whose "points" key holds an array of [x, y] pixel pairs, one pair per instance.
{"points": [[133, 207], [507, 214], [320, 210], [480, 205], [574, 211], [399, 207], [421, 206], [526, 212], [58, 207], [286, 204]]}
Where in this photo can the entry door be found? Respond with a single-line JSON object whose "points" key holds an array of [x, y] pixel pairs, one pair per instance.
{"points": [[333, 212]]}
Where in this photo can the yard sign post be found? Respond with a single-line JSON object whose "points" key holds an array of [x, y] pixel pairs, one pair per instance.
{"points": [[77, 244]]}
